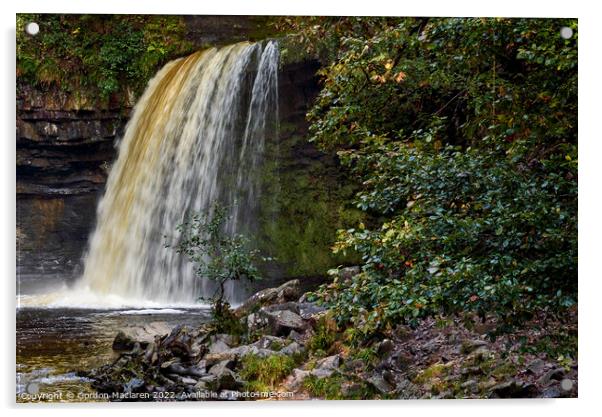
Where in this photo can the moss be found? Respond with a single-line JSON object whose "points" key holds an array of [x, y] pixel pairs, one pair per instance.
{"points": [[503, 370], [431, 374], [261, 373], [331, 388], [304, 201]]}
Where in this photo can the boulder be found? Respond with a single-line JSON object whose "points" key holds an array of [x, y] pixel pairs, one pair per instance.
{"points": [[288, 291], [294, 381], [297, 337], [282, 322], [219, 368], [514, 389], [123, 342], [188, 381], [385, 347], [536, 366], [270, 342], [552, 374], [329, 363], [256, 322], [218, 347], [226, 378], [208, 382], [292, 349], [147, 332], [381, 385]]}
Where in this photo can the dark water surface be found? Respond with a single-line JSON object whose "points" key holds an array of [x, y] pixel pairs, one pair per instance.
{"points": [[54, 343]]}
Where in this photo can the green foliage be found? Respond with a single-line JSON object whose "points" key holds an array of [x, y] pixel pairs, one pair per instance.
{"points": [[330, 388], [97, 55], [464, 134], [324, 336], [219, 257], [263, 374]]}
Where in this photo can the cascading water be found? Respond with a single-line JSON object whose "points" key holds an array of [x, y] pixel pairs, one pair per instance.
{"points": [[195, 137]]}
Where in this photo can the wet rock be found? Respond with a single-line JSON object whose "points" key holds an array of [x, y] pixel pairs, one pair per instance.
{"points": [[195, 371], [553, 374], [188, 381], [175, 369], [134, 385], [514, 389], [288, 291], [123, 342], [551, 392], [385, 347]]}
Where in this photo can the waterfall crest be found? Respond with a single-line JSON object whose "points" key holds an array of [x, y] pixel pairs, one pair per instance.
{"points": [[196, 136]]}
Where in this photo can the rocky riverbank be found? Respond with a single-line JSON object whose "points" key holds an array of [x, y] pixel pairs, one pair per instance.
{"points": [[290, 348]]}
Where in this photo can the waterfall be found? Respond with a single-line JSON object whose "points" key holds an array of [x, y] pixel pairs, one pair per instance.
{"points": [[196, 136]]}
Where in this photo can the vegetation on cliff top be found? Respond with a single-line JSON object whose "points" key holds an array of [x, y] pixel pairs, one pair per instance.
{"points": [[98, 56]]}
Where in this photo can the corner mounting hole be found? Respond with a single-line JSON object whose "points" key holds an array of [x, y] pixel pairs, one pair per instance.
{"points": [[32, 28]]}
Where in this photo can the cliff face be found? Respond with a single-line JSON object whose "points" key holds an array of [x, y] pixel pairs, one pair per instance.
{"points": [[64, 150]]}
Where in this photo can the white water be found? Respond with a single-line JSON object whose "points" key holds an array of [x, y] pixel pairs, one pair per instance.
{"points": [[195, 137]]}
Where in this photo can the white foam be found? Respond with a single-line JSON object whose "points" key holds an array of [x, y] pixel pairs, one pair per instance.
{"points": [[83, 298], [144, 311]]}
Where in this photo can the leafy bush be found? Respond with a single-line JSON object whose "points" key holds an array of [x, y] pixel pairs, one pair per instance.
{"points": [[97, 55], [463, 132]]}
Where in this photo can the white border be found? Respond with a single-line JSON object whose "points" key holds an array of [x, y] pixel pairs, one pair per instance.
{"points": [[590, 373]]}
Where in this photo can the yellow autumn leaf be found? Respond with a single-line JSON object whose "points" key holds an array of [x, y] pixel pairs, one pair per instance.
{"points": [[400, 77]]}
